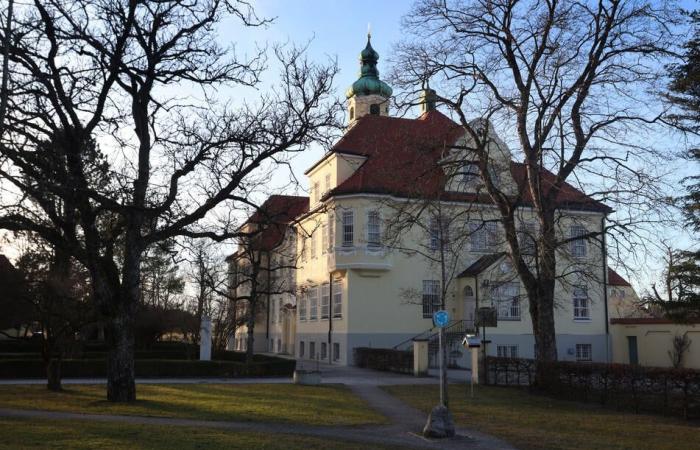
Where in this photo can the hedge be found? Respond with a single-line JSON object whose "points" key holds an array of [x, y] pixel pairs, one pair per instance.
{"points": [[642, 389], [152, 368], [385, 359]]}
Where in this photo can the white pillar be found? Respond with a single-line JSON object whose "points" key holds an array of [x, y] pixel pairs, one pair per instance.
{"points": [[475, 364], [205, 339]]}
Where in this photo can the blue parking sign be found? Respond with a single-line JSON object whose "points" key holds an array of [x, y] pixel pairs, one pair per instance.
{"points": [[441, 318]]}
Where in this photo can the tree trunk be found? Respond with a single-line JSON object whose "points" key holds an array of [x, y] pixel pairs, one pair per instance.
{"points": [[542, 312], [251, 337], [121, 386], [53, 374]]}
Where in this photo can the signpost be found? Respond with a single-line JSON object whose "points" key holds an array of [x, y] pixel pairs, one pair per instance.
{"points": [[441, 318]]}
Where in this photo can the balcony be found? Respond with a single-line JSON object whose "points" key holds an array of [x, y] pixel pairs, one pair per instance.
{"points": [[359, 257]]}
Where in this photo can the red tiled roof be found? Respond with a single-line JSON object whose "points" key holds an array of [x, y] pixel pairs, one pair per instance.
{"points": [[615, 279], [280, 209], [274, 216], [403, 159]]}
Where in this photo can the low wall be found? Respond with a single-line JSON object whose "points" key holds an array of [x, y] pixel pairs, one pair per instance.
{"points": [[654, 341]]}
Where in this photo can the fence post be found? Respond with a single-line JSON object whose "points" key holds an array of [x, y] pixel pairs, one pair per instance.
{"points": [[420, 357]]}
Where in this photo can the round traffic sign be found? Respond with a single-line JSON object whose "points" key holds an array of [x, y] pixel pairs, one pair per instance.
{"points": [[441, 318]]}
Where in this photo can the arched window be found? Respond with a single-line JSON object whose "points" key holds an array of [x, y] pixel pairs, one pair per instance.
{"points": [[374, 109], [352, 112]]}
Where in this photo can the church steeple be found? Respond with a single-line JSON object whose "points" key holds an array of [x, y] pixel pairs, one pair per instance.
{"points": [[369, 94]]}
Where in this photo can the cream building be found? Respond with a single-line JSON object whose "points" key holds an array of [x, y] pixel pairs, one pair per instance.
{"points": [[396, 219]]}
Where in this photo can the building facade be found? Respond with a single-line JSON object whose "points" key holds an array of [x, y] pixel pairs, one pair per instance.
{"points": [[397, 222]]}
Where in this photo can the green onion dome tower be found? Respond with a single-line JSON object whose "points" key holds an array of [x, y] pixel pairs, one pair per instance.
{"points": [[369, 94]]}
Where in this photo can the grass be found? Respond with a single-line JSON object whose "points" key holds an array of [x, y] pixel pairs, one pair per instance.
{"points": [[529, 421], [313, 405], [24, 433]]}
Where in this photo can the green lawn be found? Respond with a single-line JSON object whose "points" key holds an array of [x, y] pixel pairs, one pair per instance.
{"points": [[534, 422], [318, 405], [24, 433]]}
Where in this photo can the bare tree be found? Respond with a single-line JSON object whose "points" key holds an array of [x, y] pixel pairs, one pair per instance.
{"points": [[264, 266], [571, 80], [142, 78]]}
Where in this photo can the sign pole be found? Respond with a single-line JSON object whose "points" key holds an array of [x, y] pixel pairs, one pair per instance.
{"points": [[442, 367]]}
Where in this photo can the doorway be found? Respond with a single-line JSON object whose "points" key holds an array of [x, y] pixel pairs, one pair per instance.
{"points": [[632, 350]]}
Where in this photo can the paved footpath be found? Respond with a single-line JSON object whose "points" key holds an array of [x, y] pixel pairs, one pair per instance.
{"points": [[404, 430]]}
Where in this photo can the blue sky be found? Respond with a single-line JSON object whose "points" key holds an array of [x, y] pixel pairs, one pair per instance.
{"points": [[337, 29]]}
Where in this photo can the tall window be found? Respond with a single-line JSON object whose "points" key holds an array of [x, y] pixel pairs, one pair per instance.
{"points": [[483, 236], [468, 176], [507, 351], [373, 229], [348, 228], [317, 192], [582, 310], [327, 186], [312, 350], [337, 299], [302, 307], [325, 300], [526, 237], [331, 232], [313, 303], [323, 351], [506, 298], [313, 244], [324, 238], [431, 297], [434, 233], [336, 351], [301, 349], [578, 246], [584, 352], [304, 249]]}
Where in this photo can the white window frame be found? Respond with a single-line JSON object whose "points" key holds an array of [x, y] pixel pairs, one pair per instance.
{"points": [[526, 238], [506, 298], [313, 244], [374, 229], [469, 176], [313, 303], [578, 247], [302, 306], [483, 236], [336, 351], [430, 298], [507, 351], [348, 221], [584, 352], [325, 300], [581, 304], [337, 299], [331, 232], [433, 233]]}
